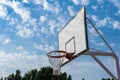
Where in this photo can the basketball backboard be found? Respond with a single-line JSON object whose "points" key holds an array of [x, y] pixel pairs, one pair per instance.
{"points": [[73, 37]]}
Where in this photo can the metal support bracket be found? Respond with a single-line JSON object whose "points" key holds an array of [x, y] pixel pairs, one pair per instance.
{"points": [[99, 53], [108, 54]]}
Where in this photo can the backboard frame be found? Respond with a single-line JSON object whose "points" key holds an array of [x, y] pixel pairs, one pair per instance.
{"points": [[73, 37]]}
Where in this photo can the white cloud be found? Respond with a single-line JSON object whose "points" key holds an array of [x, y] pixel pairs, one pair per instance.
{"points": [[118, 13], [27, 29], [92, 32], [4, 40], [76, 2], [45, 48], [25, 14], [13, 21], [82, 2], [38, 1], [24, 31], [31, 23], [112, 44], [25, 1], [44, 30], [3, 11], [101, 22], [94, 7], [100, 1], [115, 2], [62, 22], [18, 8], [53, 25], [44, 3], [24, 61], [116, 25], [98, 44], [42, 18], [20, 48], [107, 21], [53, 7], [22, 11], [71, 12], [94, 17], [57, 8]]}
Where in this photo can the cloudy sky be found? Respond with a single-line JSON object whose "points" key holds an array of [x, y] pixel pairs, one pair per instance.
{"points": [[29, 29]]}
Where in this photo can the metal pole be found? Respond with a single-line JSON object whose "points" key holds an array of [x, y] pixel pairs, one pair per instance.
{"points": [[114, 55], [94, 54], [103, 66], [100, 35], [117, 66]]}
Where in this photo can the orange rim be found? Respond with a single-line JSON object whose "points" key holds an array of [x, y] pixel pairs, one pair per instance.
{"points": [[59, 51]]}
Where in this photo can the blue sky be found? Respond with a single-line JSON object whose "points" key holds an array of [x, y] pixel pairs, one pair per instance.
{"points": [[29, 29]]}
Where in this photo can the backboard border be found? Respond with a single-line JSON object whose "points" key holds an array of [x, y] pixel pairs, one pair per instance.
{"points": [[86, 35]]}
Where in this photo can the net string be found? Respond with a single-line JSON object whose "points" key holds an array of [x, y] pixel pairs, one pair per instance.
{"points": [[56, 62]]}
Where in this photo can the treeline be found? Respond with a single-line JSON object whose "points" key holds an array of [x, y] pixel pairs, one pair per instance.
{"points": [[103, 79], [44, 73], [107, 79]]}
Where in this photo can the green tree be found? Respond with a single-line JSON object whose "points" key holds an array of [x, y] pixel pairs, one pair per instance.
{"points": [[53, 78], [38, 75], [1, 78], [10, 77], [64, 76], [26, 76], [18, 75], [5, 78], [69, 78], [44, 73], [33, 74]]}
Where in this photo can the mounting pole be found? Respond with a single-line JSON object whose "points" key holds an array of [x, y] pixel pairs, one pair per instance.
{"points": [[98, 53]]}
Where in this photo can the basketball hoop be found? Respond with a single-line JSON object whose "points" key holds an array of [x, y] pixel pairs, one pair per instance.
{"points": [[56, 59]]}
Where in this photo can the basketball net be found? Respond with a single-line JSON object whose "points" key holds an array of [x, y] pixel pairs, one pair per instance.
{"points": [[56, 59]]}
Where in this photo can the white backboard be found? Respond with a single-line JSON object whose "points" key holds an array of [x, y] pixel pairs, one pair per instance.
{"points": [[73, 37]]}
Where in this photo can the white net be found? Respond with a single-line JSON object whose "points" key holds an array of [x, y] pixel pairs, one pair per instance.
{"points": [[56, 59]]}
